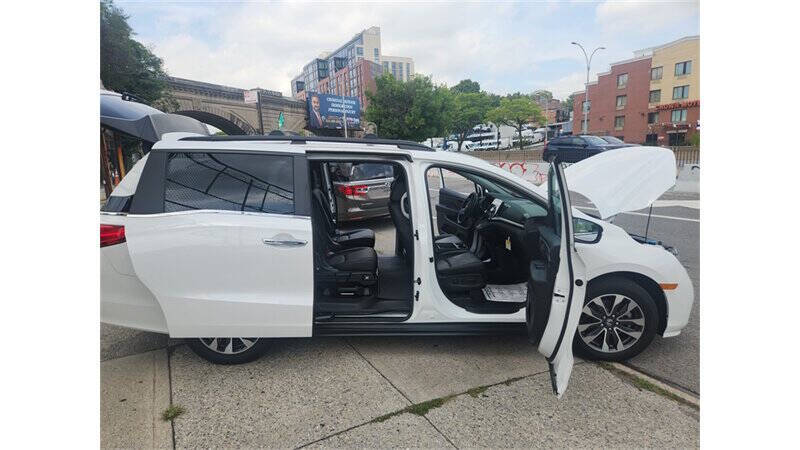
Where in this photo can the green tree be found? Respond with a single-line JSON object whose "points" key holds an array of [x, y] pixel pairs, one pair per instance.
{"points": [[126, 64], [469, 110], [466, 86], [516, 112], [414, 110], [570, 102]]}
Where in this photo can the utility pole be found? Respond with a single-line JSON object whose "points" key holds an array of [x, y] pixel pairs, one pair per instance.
{"points": [[344, 116], [585, 107], [260, 114]]}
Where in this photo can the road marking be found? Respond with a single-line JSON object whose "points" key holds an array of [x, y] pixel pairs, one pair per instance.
{"points": [[686, 219], [694, 204]]}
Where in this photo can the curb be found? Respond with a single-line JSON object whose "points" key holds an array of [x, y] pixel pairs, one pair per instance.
{"points": [[685, 396]]}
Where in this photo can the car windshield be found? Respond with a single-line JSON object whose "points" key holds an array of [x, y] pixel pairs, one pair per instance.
{"points": [[612, 140], [594, 140]]}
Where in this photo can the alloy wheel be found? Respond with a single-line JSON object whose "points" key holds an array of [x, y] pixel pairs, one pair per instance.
{"points": [[229, 346], [611, 323]]}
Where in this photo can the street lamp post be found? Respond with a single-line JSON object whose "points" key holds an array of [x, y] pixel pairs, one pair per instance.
{"points": [[585, 106]]}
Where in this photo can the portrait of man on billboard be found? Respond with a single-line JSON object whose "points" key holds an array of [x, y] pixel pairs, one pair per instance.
{"points": [[314, 117]]}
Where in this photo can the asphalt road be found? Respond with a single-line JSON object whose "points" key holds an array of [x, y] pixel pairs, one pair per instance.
{"points": [[675, 360]]}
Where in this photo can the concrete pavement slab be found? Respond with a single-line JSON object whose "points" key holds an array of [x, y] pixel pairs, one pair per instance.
{"points": [[423, 368], [300, 391], [598, 410], [116, 342], [134, 392], [402, 431]]}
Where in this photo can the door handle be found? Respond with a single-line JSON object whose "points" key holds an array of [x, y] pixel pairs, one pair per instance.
{"points": [[285, 242]]}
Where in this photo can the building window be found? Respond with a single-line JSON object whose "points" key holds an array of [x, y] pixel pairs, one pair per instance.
{"points": [[676, 139], [408, 70], [622, 100], [679, 115], [400, 71], [359, 51], [651, 139], [385, 66], [680, 92], [683, 68], [656, 73], [652, 117], [619, 122], [375, 54], [394, 69], [622, 80], [586, 123], [655, 96]]}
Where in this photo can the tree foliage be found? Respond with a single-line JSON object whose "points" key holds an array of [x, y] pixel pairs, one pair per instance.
{"points": [[414, 110], [128, 66], [466, 86], [470, 110], [516, 112], [569, 102]]}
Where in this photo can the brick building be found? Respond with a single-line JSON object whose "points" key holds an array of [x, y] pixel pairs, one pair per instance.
{"points": [[653, 98], [350, 81]]}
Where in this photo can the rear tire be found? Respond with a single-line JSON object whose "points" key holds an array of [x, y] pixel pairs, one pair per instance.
{"points": [[228, 350], [618, 320]]}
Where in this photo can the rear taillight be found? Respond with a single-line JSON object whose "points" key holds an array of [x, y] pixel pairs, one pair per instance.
{"points": [[111, 234], [356, 190]]}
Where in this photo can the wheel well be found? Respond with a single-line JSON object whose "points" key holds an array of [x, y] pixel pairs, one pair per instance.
{"points": [[650, 286]]}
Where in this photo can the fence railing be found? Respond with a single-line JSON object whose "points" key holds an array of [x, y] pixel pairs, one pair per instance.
{"points": [[686, 155]]}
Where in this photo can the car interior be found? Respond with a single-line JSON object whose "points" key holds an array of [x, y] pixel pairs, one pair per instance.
{"points": [[487, 235], [487, 246], [352, 281]]}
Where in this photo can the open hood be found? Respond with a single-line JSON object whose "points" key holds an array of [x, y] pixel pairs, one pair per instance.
{"points": [[623, 179]]}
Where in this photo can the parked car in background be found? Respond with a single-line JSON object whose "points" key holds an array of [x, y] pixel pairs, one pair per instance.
{"points": [[361, 190], [616, 141], [576, 148]]}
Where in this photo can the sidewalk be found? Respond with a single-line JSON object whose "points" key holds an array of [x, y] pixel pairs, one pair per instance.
{"points": [[381, 392]]}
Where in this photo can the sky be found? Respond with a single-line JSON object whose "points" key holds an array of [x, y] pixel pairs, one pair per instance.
{"points": [[506, 46]]}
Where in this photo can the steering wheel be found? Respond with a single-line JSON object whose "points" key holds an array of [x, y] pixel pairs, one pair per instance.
{"points": [[468, 210]]}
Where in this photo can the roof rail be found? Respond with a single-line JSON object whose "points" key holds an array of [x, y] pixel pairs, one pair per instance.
{"points": [[297, 139]]}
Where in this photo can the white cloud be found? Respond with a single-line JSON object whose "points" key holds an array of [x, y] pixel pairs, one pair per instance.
{"points": [[624, 16], [507, 47]]}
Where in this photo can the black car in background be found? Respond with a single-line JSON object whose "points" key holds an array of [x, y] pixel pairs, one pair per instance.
{"points": [[576, 148], [616, 141]]}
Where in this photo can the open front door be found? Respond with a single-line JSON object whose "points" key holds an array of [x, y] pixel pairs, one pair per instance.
{"points": [[557, 284]]}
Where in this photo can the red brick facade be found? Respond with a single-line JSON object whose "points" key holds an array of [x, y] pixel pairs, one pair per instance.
{"points": [[604, 111], [363, 78]]}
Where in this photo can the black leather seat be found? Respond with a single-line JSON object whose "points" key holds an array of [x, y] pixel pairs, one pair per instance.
{"points": [[346, 239], [339, 271], [460, 271], [400, 211], [362, 259]]}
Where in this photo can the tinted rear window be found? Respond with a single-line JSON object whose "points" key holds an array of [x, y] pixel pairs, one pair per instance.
{"points": [[231, 182], [594, 140]]}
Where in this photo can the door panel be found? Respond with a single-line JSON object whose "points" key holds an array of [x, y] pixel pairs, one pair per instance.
{"points": [[450, 202], [226, 273], [557, 285]]}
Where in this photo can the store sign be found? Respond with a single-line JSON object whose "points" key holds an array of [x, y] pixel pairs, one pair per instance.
{"points": [[677, 105], [251, 96]]}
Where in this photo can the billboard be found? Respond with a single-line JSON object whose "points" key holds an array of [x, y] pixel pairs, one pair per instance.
{"points": [[326, 111]]}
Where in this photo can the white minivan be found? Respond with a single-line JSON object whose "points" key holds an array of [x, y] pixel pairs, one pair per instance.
{"points": [[228, 241]]}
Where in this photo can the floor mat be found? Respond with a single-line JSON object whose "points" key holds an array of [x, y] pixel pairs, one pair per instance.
{"points": [[513, 293]]}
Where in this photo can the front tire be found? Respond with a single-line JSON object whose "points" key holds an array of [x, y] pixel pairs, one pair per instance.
{"points": [[618, 320], [228, 350]]}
